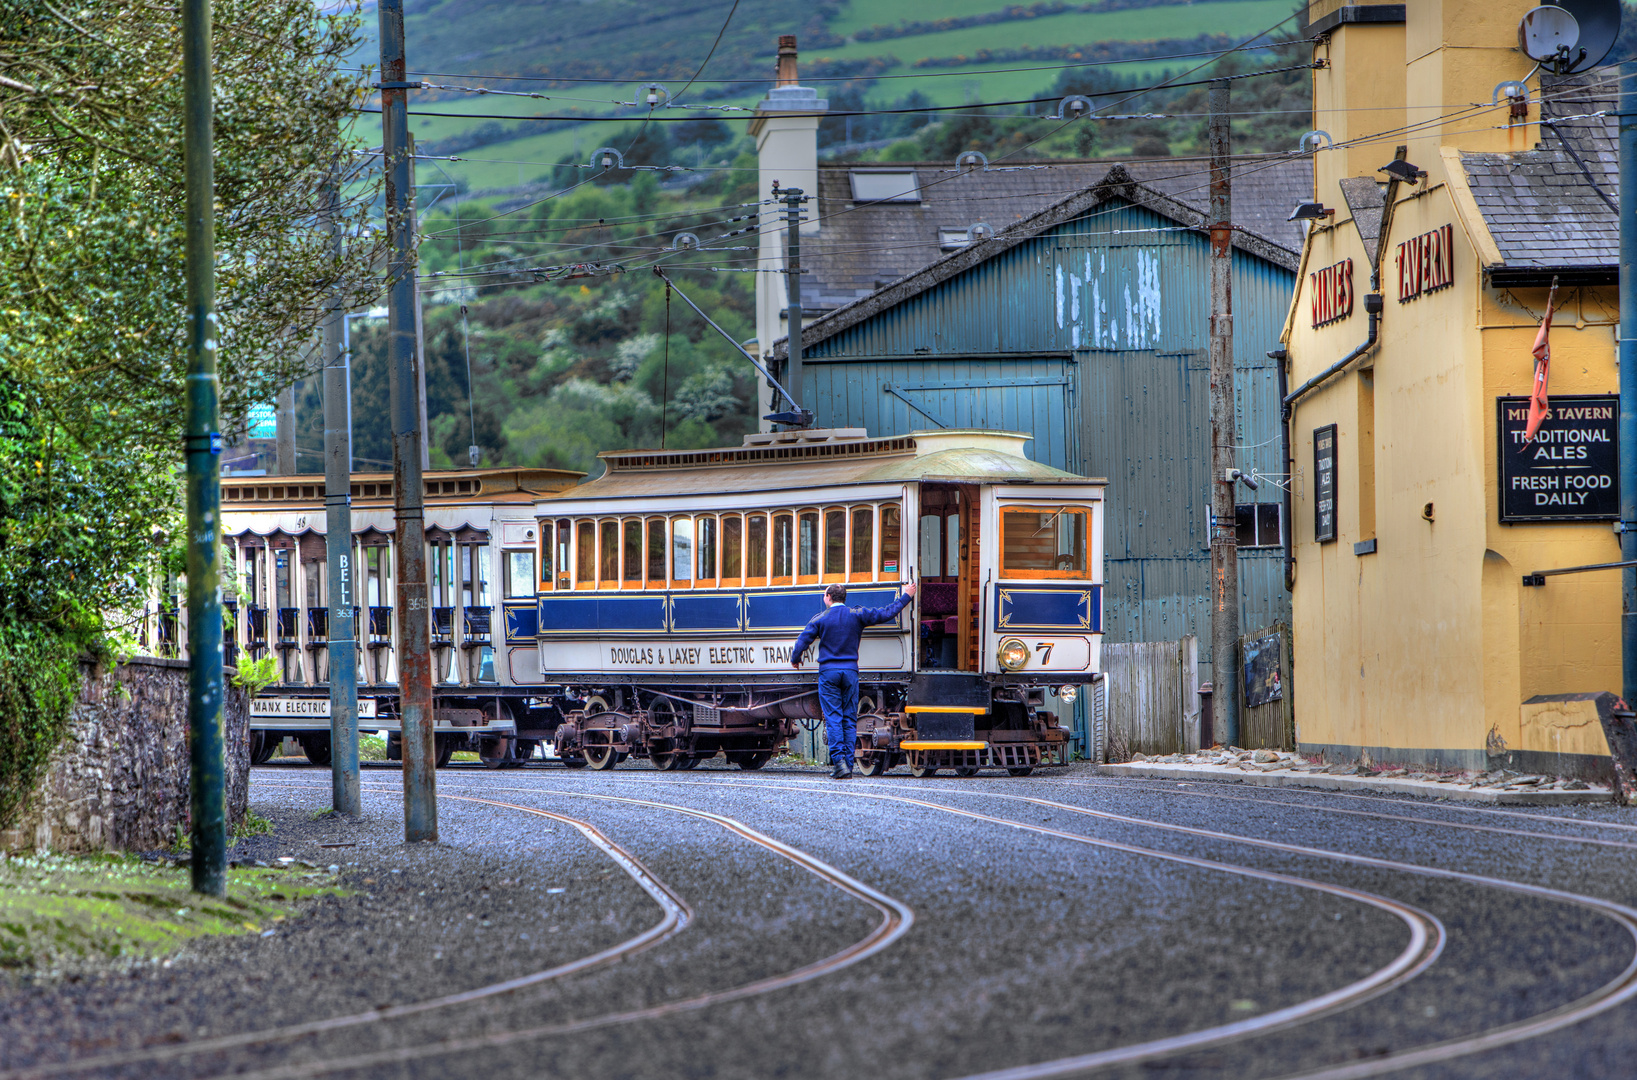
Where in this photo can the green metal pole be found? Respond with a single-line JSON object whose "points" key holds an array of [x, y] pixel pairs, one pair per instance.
{"points": [[203, 444], [342, 630]]}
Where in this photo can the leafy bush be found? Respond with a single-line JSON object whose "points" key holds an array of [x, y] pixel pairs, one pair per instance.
{"points": [[39, 676], [257, 675]]}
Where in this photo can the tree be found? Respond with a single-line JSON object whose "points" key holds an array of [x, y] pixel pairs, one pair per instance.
{"points": [[92, 327]]}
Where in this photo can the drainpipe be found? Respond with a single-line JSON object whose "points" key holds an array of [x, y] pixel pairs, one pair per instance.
{"points": [[1372, 307], [1628, 381]]}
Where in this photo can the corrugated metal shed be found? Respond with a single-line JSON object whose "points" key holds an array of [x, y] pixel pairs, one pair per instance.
{"points": [[1093, 335]]}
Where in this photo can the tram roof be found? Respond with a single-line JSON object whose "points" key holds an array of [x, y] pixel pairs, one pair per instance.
{"points": [[833, 457]]}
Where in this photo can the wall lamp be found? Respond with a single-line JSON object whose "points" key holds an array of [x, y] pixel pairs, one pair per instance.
{"points": [[1400, 169], [1311, 211]]}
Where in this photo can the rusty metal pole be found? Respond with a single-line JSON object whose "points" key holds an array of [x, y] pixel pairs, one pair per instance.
{"points": [[414, 640], [1224, 529], [792, 218]]}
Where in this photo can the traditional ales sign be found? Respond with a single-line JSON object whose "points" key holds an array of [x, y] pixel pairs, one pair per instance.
{"points": [[1324, 479], [1570, 471], [1332, 292], [1426, 262]]}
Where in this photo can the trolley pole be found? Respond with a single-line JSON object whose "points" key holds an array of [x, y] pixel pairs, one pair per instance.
{"points": [[1628, 380], [1224, 529], [201, 447], [342, 630], [792, 220], [414, 641]]}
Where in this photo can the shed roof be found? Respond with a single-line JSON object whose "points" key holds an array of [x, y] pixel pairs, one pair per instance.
{"points": [[1115, 182], [863, 246], [1553, 209]]}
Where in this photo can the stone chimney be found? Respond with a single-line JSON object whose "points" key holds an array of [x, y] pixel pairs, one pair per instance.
{"points": [[786, 132]]}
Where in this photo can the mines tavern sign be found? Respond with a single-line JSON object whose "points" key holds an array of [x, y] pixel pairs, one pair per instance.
{"points": [[1331, 290], [1571, 469]]}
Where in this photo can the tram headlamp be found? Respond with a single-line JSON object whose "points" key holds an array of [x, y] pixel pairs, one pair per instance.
{"points": [[1067, 693], [1013, 654]]}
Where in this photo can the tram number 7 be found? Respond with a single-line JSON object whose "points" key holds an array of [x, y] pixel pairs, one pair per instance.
{"points": [[1044, 648]]}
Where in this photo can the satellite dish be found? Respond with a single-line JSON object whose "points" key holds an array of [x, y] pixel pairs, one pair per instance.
{"points": [[1547, 31], [1586, 30]]}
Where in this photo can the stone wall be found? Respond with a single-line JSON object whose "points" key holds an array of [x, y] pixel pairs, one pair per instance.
{"points": [[119, 781]]}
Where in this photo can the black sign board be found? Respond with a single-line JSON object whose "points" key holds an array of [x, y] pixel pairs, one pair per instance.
{"points": [[1571, 470], [1324, 481]]}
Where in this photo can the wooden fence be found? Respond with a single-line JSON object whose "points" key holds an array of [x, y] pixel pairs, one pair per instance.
{"points": [[1152, 698]]}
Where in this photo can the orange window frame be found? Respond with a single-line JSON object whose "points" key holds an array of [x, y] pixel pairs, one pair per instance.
{"points": [[608, 550], [655, 527], [896, 513], [1047, 575], [585, 554], [806, 514], [826, 518], [631, 563], [752, 522], [547, 565], [735, 524], [787, 518], [707, 572], [867, 513]]}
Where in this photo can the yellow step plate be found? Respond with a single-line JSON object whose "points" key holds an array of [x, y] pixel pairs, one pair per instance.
{"points": [[935, 745], [943, 709]]}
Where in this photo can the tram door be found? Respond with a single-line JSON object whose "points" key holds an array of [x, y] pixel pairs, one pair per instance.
{"points": [[949, 637]]}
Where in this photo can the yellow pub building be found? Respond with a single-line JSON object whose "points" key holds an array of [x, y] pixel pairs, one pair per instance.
{"points": [[1420, 517]]}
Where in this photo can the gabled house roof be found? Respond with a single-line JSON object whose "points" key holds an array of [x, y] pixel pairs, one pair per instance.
{"points": [[1115, 182], [1551, 211], [862, 245]]}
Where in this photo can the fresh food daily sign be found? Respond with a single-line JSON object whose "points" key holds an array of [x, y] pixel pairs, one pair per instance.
{"points": [[1571, 470]]}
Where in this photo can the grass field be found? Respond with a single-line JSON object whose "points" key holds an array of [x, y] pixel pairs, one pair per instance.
{"points": [[862, 14]]}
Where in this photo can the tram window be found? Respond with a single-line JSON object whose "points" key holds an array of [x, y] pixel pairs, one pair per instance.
{"points": [[807, 546], [313, 577], [565, 533], [545, 554], [784, 527], [519, 573], [756, 549], [681, 550], [1043, 542], [889, 543], [932, 545], [952, 545], [732, 547], [633, 553], [608, 574], [585, 555], [474, 573], [835, 544], [283, 582], [863, 547], [705, 549], [656, 553]]}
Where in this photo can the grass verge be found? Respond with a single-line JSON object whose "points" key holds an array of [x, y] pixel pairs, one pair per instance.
{"points": [[60, 912]]}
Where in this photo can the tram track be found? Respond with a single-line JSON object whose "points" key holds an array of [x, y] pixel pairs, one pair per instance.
{"points": [[1613, 993]]}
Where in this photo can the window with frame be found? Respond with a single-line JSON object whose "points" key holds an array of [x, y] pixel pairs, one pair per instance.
{"points": [[863, 544], [565, 543], [704, 547], [519, 574], [546, 551], [1259, 525], [1044, 542], [891, 532], [585, 555], [756, 549], [807, 546], [681, 552], [733, 540], [633, 553], [835, 544], [656, 553], [608, 554], [784, 539]]}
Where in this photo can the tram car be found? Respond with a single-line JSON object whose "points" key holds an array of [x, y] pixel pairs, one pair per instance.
{"points": [[481, 537], [672, 589]]}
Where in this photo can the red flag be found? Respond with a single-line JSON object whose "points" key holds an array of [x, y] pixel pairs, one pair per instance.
{"points": [[1543, 364]]}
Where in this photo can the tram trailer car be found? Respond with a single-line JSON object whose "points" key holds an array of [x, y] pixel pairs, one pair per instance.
{"points": [[673, 587], [481, 543]]}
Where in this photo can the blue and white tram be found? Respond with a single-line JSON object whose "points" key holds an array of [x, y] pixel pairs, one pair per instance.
{"points": [[672, 589], [481, 544]]}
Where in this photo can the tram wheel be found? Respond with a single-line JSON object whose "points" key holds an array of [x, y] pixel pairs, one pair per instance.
{"points": [[443, 750], [752, 760], [601, 758], [1022, 770], [524, 750], [262, 747], [494, 752], [317, 749], [694, 760], [922, 771], [967, 770], [873, 764], [573, 761], [669, 760]]}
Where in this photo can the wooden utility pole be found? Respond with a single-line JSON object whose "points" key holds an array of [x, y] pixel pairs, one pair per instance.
{"points": [[202, 447], [414, 644], [1224, 435]]}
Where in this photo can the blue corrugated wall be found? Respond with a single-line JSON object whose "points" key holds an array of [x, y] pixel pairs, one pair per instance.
{"points": [[1093, 337]]}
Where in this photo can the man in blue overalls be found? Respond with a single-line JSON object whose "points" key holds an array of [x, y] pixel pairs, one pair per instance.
{"points": [[838, 629]]}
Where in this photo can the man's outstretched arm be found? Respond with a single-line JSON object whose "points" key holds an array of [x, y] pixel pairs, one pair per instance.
{"points": [[871, 616]]}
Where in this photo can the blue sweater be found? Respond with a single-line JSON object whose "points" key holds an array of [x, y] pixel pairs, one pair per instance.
{"points": [[838, 628]]}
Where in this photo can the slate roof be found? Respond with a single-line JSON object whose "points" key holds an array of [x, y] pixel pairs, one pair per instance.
{"points": [[862, 247], [1114, 183], [1553, 208]]}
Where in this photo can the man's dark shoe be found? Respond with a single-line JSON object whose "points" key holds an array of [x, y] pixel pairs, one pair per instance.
{"points": [[841, 772]]}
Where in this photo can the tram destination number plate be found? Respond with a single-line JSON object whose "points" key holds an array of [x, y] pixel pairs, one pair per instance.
{"points": [[1571, 471]]}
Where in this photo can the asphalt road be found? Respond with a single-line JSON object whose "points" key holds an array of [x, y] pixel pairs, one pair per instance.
{"points": [[722, 924]]}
